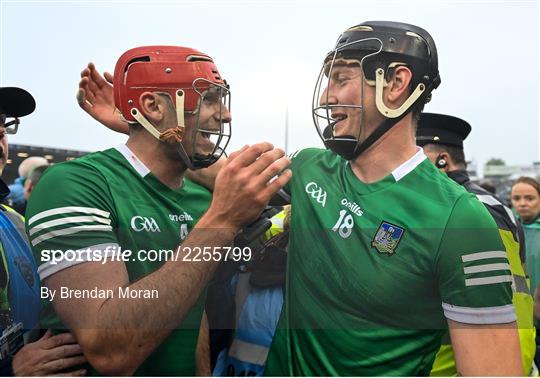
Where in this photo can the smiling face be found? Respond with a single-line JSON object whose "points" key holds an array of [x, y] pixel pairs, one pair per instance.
{"points": [[198, 137], [346, 86], [206, 124]]}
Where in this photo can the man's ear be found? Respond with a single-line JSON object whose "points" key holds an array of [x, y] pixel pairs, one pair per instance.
{"points": [[27, 188], [398, 85], [151, 107], [446, 156], [444, 161]]}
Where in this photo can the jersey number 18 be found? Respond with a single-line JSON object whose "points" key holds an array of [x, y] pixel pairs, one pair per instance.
{"points": [[344, 224]]}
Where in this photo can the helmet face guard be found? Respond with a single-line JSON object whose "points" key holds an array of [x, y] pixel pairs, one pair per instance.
{"points": [[185, 75], [376, 48], [323, 111], [208, 144]]}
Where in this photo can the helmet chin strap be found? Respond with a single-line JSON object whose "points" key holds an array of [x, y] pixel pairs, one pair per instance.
{"points": [[343, 145], [170, 136]]}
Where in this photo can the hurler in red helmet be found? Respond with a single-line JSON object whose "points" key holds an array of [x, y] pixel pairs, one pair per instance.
{"points": [[188, 77], [135, 197]]}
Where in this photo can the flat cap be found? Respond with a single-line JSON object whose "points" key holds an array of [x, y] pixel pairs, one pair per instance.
{"points": [[441, 129]]}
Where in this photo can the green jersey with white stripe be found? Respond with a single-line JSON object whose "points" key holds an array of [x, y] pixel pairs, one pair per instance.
{"points": [[374, 270], [109, 202]]}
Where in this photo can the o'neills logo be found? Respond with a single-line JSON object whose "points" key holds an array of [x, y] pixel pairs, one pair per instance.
{"points": [[352, 206], [180, 217]]}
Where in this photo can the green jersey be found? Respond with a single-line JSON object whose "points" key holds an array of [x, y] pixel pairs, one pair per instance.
{"points": [[109, 202], [374, 270]]}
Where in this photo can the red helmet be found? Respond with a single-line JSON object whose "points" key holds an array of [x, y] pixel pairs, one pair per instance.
{"points": [[162, 69]]}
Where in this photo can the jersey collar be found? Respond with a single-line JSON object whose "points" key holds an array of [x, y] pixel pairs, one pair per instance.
{"points": [[407, 167], [396, 175], [133, 160]]}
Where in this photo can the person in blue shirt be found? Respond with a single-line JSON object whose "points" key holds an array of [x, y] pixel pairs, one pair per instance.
{"points": [[22, 351], [258, 298], [16, 198]]}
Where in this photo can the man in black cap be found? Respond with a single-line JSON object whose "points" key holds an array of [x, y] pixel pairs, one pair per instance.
{"points": [[19, 282], [441, 137]]}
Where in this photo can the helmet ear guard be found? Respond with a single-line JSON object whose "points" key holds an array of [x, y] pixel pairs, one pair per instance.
{"points": [[170, 136], [381, 106]]}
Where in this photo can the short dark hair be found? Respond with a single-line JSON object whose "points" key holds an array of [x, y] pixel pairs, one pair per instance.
{"points": [[134, 127], [456, 153]]}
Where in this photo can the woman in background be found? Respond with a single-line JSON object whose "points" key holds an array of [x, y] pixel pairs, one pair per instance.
{"points": [[525, 198], [526, 202]]}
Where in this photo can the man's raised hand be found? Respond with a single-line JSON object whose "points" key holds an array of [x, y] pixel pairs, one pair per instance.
{"points": [[246, 183], [95, 96]]}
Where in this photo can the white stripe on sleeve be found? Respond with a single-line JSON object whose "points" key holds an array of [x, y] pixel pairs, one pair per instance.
{"points": [[481, 315], [487, 280], [67, 220], [69, 231], [67, 210], [486, 268], [483, 255], [47, 269]]}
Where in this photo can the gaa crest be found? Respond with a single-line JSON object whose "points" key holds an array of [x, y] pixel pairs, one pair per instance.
{"points": [[387, 238]]}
